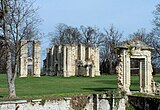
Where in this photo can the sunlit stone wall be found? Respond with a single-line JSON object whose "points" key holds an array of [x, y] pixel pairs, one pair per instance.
{"points": [[72, 60]]}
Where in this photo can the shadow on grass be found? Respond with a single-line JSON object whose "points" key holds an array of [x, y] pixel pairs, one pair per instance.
{"points": [[100, 89], [114, 82]]}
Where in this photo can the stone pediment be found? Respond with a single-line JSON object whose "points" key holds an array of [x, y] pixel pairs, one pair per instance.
{"points": [[134, 43]]}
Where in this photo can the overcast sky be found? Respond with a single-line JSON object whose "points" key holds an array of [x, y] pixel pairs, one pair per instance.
{"points": [[126, 15]]}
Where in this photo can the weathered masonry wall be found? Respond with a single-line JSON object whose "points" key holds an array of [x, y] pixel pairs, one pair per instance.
{"points": [[72, 60], [144, 103], [82, 102], [85, 102]]}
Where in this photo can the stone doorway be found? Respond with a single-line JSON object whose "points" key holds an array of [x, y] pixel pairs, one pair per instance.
{"points": [[137, 71], [135, 50]]}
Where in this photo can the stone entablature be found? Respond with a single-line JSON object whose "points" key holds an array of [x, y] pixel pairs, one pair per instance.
{"points": [[136, 50], [25, 60], [72, 60]]}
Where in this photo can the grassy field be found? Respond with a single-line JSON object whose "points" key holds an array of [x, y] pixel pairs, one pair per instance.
{"points": [[48, 86]]}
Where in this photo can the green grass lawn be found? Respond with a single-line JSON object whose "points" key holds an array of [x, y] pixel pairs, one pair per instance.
{"points": [[48, 86]]}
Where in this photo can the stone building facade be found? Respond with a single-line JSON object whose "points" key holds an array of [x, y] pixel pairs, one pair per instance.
{"points": [[135, 50], [25, 60], [72, 60]]}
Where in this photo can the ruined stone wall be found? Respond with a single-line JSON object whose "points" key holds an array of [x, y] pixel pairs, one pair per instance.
{"points": [[72, 60], [144, 103], [85, 102], [81, 102]]}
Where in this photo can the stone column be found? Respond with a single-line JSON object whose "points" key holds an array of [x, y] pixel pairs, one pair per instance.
{"points": [[36, 58], [64, 61], [97, 71], [51, 61], [83, 53], [69, 63], [73, 60], [76, 60], [148, 75], [23, 67], [141, 73], [124, 72], [59, 59], [127, 72]]}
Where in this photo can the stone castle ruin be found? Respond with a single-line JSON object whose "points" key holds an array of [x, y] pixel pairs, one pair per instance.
{"points": [[135, 50], [29, 63], [72, 60]]}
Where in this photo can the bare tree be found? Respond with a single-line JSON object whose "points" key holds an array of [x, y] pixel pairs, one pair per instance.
{"points": [[91, 36], [108, 54], [141, 35], [156, 21], [19, 22], [65, 34], [156, 35]]}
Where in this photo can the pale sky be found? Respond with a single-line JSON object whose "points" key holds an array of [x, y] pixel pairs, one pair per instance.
{"points": [[126, 15]]}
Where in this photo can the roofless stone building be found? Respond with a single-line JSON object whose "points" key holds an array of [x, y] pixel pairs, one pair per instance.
{"points": [[72, 60], [135, 50]]}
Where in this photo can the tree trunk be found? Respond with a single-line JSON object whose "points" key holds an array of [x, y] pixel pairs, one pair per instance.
{"points": [[110, 68], [10, 77], [10, 73]]}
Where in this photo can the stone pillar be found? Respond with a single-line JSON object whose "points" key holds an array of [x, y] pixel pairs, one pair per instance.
{"points": [[97, 71], [64, 61], [80, 51], [51, 61], [59, 59], [23, 67], [47, 62], [123, 70], [127, 72], [73, 60], [76, 60], [36, 58], [69, 58], [148, 74], [141, 73]]}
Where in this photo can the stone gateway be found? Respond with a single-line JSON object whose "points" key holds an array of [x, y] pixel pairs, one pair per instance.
{"points": [[25, 60], [135, 50]]}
